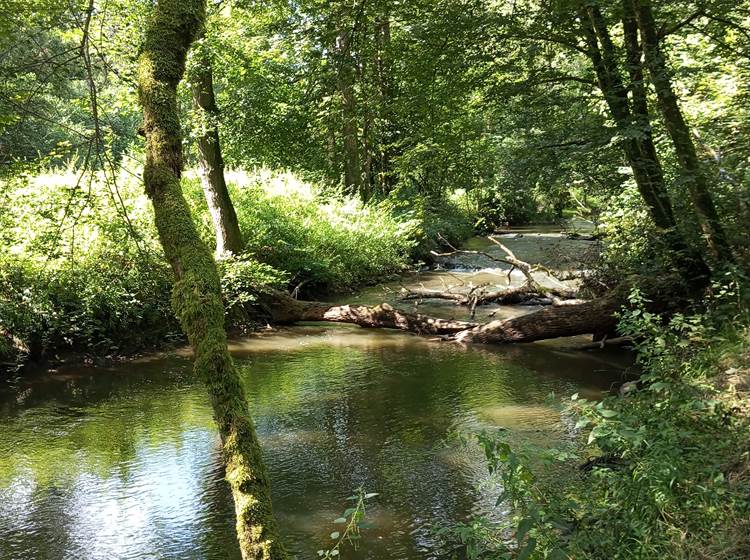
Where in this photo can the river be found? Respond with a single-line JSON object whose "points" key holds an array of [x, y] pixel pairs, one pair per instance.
{"points": [[122, 462]]}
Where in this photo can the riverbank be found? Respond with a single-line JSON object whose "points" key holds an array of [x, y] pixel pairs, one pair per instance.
{"points": [[660, 469], [83, 275]]}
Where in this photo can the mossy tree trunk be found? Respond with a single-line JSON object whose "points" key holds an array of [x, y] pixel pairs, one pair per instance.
{"points": [[197, 301], [693, 174], [223, 215]]}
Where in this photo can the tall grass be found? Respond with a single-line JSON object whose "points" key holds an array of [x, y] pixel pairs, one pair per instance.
{"points": [[81, 266]]}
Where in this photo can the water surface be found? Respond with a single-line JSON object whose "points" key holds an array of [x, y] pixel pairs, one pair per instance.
{"points": [[122, 462]]}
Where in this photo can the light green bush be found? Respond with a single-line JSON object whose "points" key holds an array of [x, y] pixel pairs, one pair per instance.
{"points": [[81, 266]]}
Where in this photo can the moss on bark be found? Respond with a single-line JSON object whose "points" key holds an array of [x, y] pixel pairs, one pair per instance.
{"points": [[197, 298]]}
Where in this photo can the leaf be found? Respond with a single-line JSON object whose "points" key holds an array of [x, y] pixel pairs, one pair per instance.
{"points": [[523, 528], [335, 535], [608, 413], [334, 552], [349, 511], [527, 550], [340, 520], [371, 495]]}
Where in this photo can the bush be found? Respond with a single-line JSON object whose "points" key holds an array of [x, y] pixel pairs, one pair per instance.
{"points": [[323, 240], [76, 274]]}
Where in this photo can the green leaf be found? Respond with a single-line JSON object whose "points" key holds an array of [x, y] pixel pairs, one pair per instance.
{"points": [[608, 413], [340, 520], [370, 495], [527, 550], [335, 535], [523, 528]]}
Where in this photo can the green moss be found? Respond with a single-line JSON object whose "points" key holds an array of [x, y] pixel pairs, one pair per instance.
{"points": [[197, 297]]}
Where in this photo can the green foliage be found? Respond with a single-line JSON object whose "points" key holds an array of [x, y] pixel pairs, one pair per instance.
{"points": [[82, 268], [431, 218], [352, 521], [667, 474], [105, 303], [322, 239], [75, 274]]}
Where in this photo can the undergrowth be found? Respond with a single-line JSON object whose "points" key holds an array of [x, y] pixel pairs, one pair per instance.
{"points": [[659, 469], [81, 267]]}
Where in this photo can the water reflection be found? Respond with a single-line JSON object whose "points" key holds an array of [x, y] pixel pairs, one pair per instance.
{"points": [[122, 462]]}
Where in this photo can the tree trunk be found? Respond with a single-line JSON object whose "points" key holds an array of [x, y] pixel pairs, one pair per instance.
{"points": [[693, 173], [285, 309], [597, 317], [196, 298], [591, 317], [349, 130], [385, 179], [223, 215], [639, 149]]}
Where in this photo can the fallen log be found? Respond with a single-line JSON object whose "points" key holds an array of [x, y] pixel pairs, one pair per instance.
{"points": [[284, 309], [598, 317], [591, 317], [508, 296]]}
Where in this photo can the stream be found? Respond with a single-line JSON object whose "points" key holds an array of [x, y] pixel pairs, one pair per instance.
{"points": [[122, 462]]}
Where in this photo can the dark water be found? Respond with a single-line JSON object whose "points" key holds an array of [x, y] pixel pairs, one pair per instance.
{"points": [[122, 463]]}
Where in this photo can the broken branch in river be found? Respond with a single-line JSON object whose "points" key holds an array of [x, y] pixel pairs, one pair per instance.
{"points": [[531, 292], [564, 315]]}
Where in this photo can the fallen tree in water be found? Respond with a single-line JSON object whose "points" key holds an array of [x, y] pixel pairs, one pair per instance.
{"points": [[531, 292], [597, 316], [563, 313]]}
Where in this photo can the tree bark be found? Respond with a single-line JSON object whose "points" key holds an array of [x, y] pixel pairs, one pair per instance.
{"points": [[172, 27], [223, 215], [639, 149], [385, 178], [285, 309], [693, 173], [349, 129], [597, 317]]}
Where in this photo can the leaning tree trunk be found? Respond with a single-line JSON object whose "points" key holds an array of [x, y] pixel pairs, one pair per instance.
{"points": [[640, 150], [196, 298], [693, 174], [223, 215]]}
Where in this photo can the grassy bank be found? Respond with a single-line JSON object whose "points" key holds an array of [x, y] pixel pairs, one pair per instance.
{"points": [[659, 469], [81, 268]]}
